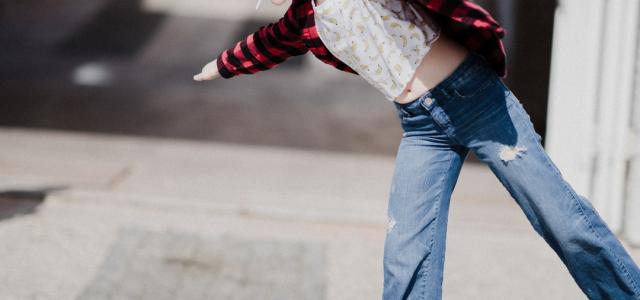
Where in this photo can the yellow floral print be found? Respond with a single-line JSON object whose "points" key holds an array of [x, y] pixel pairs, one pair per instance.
{"points": [[377, 38]]}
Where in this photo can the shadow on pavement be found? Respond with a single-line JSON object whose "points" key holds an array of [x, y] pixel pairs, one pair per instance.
{"points": [[23, 202]]}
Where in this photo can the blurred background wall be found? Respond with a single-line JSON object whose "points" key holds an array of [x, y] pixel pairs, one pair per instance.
{"points": [[125, 66]]}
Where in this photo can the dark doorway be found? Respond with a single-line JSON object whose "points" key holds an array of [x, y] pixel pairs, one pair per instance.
{"points": [[529, 26]]}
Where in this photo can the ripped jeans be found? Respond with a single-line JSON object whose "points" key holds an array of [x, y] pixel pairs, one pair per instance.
{"points": [[472, 109]]}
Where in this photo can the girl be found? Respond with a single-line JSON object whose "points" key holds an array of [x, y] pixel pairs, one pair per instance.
{"points": [[440, 63]]}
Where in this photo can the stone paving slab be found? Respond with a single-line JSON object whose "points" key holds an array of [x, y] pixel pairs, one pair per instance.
{"points": [[481, 260], [143, 264], [61, 247]]}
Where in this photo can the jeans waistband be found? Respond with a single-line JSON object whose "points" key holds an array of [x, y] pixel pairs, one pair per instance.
{"points": [[473, 66]]}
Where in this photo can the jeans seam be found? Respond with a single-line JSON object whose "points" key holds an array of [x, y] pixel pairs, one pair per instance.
{"points": [[578, 205], [435, 228], [536, 136], [586, 219]]}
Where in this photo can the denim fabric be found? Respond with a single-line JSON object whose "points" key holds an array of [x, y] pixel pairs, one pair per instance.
{"points": [[472, 109]]}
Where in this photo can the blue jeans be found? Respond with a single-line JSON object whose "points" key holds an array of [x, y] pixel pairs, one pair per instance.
{"points": [[472, 109]]}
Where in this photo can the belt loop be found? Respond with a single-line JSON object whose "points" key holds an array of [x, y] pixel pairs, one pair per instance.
{"points": [[400, 108], [447, 92], [405, 112]]}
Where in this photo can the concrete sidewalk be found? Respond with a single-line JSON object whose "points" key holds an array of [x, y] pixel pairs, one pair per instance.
{"points": [[142, 218]]}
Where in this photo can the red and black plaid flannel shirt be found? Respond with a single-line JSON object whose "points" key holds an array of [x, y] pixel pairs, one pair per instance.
{"points": [[295, 34]]}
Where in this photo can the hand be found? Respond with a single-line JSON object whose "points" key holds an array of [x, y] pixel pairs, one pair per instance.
{"points": [[209, 72]]}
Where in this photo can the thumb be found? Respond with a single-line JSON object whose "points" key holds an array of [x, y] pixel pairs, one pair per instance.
{"points": [[200, 77]]}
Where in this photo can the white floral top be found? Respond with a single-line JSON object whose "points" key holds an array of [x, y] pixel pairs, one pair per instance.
{"points": [[377, 38]]}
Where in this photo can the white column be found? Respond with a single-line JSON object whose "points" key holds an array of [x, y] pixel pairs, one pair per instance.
{"points": [[613, 117], [591, 93], [573, 90], [632, 209]]}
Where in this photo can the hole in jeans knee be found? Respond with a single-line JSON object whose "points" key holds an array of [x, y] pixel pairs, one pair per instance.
{"points": [[508, 153]]}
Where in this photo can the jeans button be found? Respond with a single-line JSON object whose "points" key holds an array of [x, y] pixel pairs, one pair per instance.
{"points": [[428, 100]]}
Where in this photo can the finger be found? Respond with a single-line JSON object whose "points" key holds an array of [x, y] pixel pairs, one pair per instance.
{"points": [[202, 76]]}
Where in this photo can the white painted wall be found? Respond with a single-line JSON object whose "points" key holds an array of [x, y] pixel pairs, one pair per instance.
{"points": [[614, 106], [592, 93], [632, 208], [573, 90]]}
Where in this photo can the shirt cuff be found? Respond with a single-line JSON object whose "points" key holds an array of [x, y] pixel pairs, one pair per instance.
{"points": [[222, 68]]}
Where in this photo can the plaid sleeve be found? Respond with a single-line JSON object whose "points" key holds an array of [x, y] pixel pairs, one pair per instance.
{"points": [[466, 12], [264, 49]]}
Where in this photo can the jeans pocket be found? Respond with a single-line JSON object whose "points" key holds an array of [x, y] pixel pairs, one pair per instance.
{"points": [[473, 88]]}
